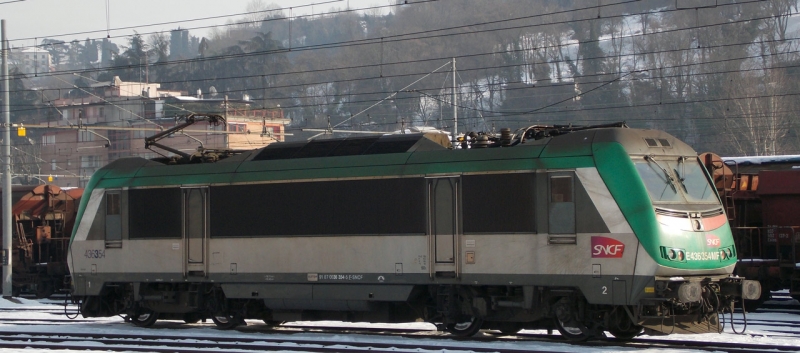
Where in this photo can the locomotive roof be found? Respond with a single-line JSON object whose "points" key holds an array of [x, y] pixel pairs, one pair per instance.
{"points": [[388, 155], [635, 141], [352, 146]]}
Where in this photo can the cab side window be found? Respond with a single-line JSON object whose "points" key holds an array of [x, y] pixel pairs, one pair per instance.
{"points": [[561, 215], [113, 219]]}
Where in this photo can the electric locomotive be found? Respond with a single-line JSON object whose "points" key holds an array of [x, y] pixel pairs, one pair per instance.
{"points": [[584, 229]]}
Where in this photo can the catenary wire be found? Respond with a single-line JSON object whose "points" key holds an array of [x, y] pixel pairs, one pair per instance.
{"points": [[399, 37]]}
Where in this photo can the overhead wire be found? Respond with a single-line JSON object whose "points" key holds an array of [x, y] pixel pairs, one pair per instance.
{"points": [[757, 56], [109, 29], [640, 54], [633, 120], [601, 82], [399, 37], [481, 68]]}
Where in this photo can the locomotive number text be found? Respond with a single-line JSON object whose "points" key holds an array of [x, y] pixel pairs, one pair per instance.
{"points": [[95, 254], [341, 277]]}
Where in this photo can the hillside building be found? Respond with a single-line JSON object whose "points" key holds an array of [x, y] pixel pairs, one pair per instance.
{"points": [[31, 61], [113, 118]]}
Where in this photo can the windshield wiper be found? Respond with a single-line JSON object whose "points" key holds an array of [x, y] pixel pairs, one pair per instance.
{"points": [[681, 177], [670, 179]]}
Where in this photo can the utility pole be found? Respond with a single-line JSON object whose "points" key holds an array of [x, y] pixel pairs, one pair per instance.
{"points": [[6, 254], [455, 108]]}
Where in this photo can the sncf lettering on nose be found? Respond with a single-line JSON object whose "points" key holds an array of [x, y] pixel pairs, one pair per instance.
{"points": [[713, 241]]}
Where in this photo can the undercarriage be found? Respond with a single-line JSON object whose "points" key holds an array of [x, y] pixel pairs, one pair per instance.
{"points": [[678, 307]]}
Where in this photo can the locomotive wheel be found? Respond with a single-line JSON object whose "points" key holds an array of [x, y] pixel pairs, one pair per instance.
{"points": [[145, 318], [572, 330], [228, 321], [567, 323], [621, 326], [467, 328], [626, 334]]}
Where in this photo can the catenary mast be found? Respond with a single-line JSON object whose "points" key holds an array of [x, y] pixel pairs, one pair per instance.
{"points": [[6, 255]]}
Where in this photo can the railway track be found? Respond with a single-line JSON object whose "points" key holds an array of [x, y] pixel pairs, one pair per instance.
{"points": [[709, 346], [776, 309], [158, 343], [640, 342], [294, 337], [338, 343], [162, 343], [381, 330]]}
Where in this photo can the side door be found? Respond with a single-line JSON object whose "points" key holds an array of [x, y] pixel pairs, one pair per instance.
{"points": [[195, 230], [444, 223]]}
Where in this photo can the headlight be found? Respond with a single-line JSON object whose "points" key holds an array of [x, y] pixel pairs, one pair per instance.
{"points": [[673, 254], [726, 253]]}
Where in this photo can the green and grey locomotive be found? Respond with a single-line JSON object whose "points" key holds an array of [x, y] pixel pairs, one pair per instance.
{"points": [[585, 230]]}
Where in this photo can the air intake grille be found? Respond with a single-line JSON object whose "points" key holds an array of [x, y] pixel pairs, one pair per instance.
{"points": [[671, 213], [711, 213], [686, 214]]}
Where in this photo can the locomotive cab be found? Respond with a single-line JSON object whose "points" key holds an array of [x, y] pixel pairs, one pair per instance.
{"points": [[679, 220]]}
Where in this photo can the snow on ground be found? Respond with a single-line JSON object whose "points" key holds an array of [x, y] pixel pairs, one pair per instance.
{"points": [[207, 331]]}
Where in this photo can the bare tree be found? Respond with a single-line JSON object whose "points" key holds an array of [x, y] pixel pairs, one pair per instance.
{"points": [[758, 119]]}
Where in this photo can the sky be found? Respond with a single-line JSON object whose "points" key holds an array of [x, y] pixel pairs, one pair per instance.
{"points": [[28, 21]]}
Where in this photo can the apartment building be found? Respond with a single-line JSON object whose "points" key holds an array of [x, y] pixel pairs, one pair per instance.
{"points": [[31, 61]]}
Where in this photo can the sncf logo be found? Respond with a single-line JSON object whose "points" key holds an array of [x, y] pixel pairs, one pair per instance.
{"points": [[607, 247], [713, 241]]}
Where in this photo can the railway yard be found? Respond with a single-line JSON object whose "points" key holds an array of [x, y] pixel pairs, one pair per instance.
{"points": [[41, 324], [298, 182]]}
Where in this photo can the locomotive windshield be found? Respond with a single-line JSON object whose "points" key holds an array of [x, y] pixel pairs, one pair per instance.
{"points": [[695, 184], [659, 182], [679, 180]]}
